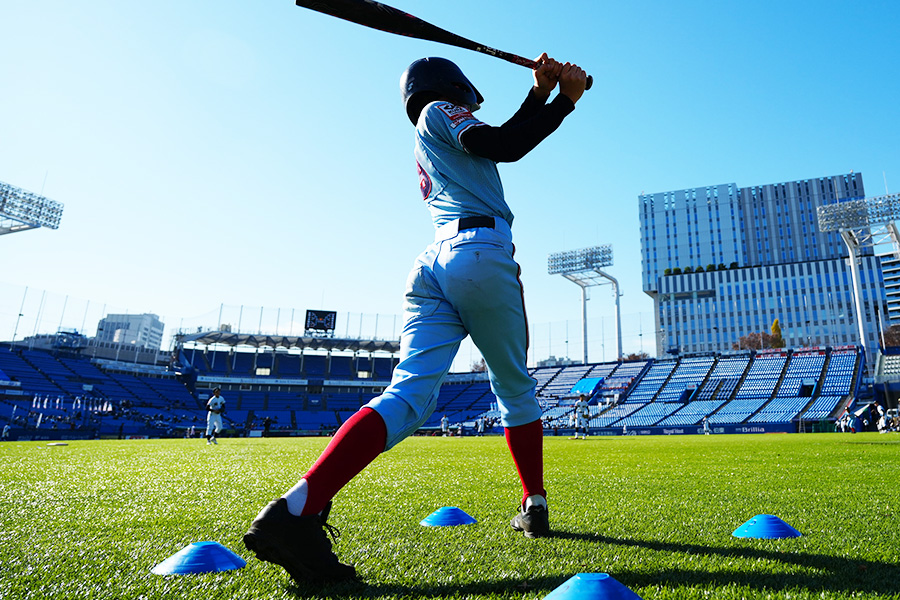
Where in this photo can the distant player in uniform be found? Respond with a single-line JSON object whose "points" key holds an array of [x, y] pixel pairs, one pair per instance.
{"points": [[465, 283], [881, 423], [582, 416], [216, 406], [445, 426]]}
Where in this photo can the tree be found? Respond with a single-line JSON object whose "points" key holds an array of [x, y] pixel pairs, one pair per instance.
{"points": [[637, 356], [668, 271], [777, 339], [676, 271], [754, 341], [699, 269], [891, 336], [479, 366], [689, 269]]}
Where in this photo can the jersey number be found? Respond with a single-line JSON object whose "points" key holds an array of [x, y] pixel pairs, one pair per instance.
{"points": [[424, 182]]}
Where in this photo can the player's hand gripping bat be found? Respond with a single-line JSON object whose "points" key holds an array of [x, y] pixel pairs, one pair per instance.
{"points": [[386, 18]]}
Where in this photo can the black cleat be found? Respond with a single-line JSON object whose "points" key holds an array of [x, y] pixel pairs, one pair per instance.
{"points": [[535, 521], [298, 544]]}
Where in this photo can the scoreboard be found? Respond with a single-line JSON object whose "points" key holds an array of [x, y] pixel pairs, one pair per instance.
{"points": [[320, 320]]}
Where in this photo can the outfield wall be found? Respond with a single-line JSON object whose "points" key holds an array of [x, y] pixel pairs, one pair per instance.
{"points": [[50, 435], [686, 430]]}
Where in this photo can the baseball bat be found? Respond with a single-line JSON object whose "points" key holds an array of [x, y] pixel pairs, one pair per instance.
{"points": [[387, 18]]}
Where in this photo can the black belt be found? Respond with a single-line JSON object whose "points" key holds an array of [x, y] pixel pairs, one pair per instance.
{"points": [[475, 222]]}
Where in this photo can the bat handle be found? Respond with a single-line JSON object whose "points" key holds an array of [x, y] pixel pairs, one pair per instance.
{"points": [[533, 65]]}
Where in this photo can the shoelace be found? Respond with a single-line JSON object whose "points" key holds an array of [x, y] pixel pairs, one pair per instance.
{"points": [[333, 531]]}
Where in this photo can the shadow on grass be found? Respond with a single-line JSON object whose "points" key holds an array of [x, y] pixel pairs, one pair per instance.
{"points": [[531, 587], [833, 573]]}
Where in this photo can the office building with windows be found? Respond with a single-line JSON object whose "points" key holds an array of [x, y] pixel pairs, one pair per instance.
{"points": [[142, 331], [721, 262]]}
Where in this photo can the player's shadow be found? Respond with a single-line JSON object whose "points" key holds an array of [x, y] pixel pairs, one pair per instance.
{"points": [[526, 587], [812, 572], [816, 572]]}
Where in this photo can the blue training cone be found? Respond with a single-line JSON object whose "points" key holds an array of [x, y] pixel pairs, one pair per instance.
{"points": [[447, 516], [200, 557], [591, 586], [767, 527]]}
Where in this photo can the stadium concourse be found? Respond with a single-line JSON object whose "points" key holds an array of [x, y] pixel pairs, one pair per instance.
{"points": [[312, 388]]}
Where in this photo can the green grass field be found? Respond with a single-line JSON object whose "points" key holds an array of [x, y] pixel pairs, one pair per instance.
{"points": [[90, 520]]}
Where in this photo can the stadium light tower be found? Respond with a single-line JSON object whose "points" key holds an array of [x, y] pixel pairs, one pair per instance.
{"points": [[863, 223], [21, 210], [582, 267]]}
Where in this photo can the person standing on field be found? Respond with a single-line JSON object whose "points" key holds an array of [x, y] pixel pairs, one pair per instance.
{"points": [[582, 416], [466, 283], [215, 407]]}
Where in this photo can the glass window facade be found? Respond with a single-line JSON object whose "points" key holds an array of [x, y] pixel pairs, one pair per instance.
{"points": [[769, 261]]}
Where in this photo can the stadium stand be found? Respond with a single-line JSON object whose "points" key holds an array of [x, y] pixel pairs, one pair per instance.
{"points": [[543, 376], [651, 383], [803, 367], [341, 367], [461, 402], [619, 381], [612, 415], [762, 376], [686, 379], [648, 415], [314, 366], [723, 379], [559, 386], [288, 365], [313, 394], [737, 411], [822, 408], [692, 413], [780, 410], [840, 374]]}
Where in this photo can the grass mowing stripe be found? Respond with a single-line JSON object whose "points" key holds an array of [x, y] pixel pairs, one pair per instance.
{"points": [[89, 520]]}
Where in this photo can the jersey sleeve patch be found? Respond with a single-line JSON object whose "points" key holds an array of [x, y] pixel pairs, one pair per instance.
{"points": [[457, 115]]}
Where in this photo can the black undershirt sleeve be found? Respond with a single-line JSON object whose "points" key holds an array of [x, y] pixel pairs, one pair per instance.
{"points": [[509, 142]]}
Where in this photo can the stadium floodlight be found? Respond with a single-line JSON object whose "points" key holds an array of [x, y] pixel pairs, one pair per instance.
{"points": [[582, 267], [585, 259], [21, 210], [863, 223], [858, 214]]}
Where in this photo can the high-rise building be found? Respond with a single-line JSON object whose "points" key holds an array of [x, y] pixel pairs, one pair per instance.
{"points": [[721, 262], [142, 331], [890, 268]]}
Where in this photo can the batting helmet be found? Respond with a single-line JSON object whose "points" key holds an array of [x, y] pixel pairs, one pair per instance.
{"points": [[429, 79]]}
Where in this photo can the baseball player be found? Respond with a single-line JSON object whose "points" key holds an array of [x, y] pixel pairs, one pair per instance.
{"points": [[216, 406], [445, 426], [465, 283], [582, 416], [881, 424]]}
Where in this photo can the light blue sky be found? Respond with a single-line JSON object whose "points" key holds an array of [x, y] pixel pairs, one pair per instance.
{"points": [[257, 154]]}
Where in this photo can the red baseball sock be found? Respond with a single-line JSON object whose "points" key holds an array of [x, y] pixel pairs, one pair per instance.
{"points": [[526, 446], [357, 443]]}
